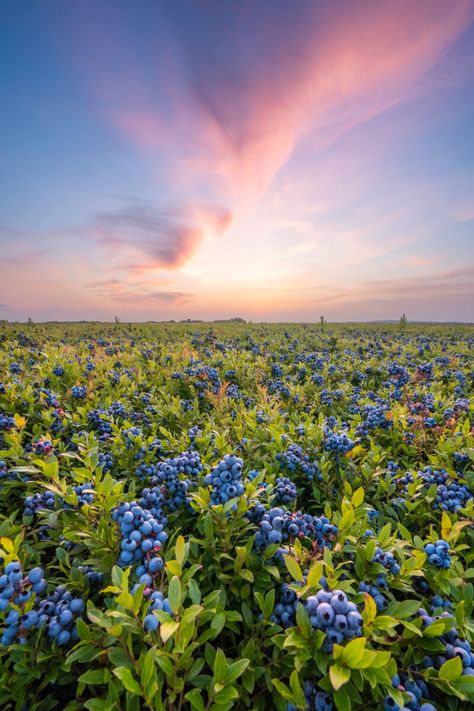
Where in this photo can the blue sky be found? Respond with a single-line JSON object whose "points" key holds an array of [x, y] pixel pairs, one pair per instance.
{"points": [[205, 159]]}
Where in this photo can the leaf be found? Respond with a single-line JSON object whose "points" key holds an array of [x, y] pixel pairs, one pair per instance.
{"points": [[195, 699], [293, 568], [148, 668], [302, 620], [342, 700], [354, 652], [117, 576], [402, 610], [339, 675], [129, 683], [95, 676], [167, 630], [180, 550], [451, 670], [99, 705], [445, 525], [235, 670], [174, 567], [370, 611], [174, 593], [347, 520], [220, 666], [224, 696], [314, 575], [296, 689], [283, 689], [194, 592], [358, 497]]}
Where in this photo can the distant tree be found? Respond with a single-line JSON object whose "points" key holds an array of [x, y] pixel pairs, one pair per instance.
{"points": [[30, 321], [322, 320], [117, 320], [403, 320]]}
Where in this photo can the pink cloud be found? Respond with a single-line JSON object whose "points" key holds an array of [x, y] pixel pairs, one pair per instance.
{"points": [[168, 237], [318, 73]]}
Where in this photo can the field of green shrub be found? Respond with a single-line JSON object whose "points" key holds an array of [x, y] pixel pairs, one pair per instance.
{"points": [[208, 517]]}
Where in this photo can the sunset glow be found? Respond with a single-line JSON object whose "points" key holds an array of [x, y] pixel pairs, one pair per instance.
{"points": [[270, 160]]}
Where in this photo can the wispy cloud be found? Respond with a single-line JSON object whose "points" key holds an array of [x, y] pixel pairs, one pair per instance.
{"points": [[116, 290], [167, 237]]}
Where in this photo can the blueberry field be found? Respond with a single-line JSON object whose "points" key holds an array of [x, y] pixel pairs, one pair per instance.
{"points": [[236, 516]]}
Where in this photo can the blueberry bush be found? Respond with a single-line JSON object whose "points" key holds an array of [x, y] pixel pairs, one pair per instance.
{"points": [[200, 517]]}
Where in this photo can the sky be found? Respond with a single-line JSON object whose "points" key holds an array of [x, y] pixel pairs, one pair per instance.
{"points": [[273, 160]]}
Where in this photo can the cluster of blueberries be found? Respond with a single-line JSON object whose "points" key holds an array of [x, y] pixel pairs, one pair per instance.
{"points": [[226, 479], [438, 554], [38, 502], [59, 612], [451, 495], [387, 559], [279, 525], [337, 443], [172, 476], [338, 617], [158, 602], [7, 423], [98, 420], [454, 645], [295, 460], [130, 435], [152, 500], [284, 612], [79, 392], [106, 461], [141, 533], [285, 491], [17, 589], [42, 446], [94, 577], [374, 590], [46, 500], [416, 690], [375, 416], [4, 473], [316, 700]]}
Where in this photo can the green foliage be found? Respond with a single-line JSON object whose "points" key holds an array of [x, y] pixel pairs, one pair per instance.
{"points": [[221, 643]]}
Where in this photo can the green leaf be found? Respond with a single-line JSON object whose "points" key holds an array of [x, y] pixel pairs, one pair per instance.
{"points": [[180, 550], [314, 575], [293, 568], [402, 610], [129, 683], [357, 497], [195, 699], [224, 696], [339, 675], [167, 630], [283, 689], [99, 705], [165, 664], [194, 591], [117, 576], [296, 689], [342, 700], [148, 668], [95, 676], [354, 652], [235, 670], [220, 666], [302, 620], [174, 593], [451, 670]]}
